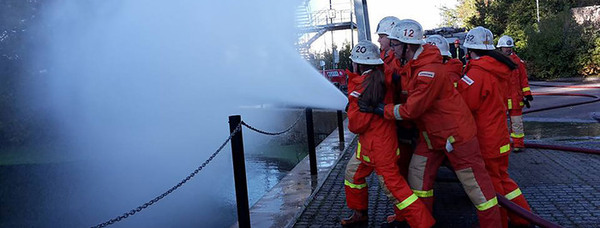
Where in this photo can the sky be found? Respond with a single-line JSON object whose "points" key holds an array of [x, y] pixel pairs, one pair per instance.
{"points": [[426, 12]]}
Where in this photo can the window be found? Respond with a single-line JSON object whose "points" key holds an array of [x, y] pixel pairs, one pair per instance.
{"points": [[333, 73]]}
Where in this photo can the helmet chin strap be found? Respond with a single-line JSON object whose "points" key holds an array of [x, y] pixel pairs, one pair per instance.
{"points": [[403, 59]]}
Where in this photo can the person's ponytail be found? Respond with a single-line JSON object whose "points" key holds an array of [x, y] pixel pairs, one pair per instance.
{"points": [[374, 85], [497, 56]]}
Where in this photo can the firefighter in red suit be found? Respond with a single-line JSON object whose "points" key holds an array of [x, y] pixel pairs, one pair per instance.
{"points": [[453, 66], [377, 147], [446, 124], [519, 93], [406, 130]]}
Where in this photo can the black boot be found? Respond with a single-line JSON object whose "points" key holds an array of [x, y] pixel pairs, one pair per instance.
{"points": [[358, 217]]}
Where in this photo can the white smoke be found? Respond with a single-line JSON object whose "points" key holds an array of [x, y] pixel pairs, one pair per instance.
{"points": [[142, 91]]}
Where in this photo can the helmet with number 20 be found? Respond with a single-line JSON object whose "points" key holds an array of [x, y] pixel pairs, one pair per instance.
{"points": [[366, 53], [407, 31]]}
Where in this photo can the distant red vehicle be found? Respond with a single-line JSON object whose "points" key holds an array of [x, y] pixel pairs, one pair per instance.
{"points": [[337, 77]]}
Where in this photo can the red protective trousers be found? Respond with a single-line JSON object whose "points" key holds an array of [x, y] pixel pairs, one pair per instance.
{"points": [[406, 204], [518, 87], [497, 168], [378, 151], [469, 168]]}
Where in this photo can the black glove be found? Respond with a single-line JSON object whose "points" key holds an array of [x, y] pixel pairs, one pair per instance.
{"points": [[529, 97], [379, 109], [364, 106], [526, 102]]}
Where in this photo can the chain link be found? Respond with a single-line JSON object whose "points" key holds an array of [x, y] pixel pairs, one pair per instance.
{"points": [[273, 133], [149, 203]]}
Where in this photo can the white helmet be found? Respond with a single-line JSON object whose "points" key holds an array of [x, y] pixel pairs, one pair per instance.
{"points": [[366, 53], [441, 43], [407, 31], [505, 41], [386, 24], [479, 38]]}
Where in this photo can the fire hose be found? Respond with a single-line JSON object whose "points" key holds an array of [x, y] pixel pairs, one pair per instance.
{"points": [[531, 217], [596, 99], [567, 86]]}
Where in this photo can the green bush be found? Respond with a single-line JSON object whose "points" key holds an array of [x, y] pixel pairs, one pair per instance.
{"points": [[589, 59], [556, 48]]}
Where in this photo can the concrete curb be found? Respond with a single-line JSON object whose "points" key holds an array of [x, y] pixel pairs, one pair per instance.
{"points": [[284, 203]]}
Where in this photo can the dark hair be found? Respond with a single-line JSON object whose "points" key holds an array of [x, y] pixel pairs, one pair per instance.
{"points": [[374, 84], [497, 56]]}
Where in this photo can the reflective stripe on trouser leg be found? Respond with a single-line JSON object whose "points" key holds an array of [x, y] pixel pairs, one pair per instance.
{"points": [[514, 194], [516, 124], [470, 169], [493, 166], [407, 204], [416, 174], [423, 170], [512, 191], [467, 178], [517, 134], [399, 204], [355, 185]]}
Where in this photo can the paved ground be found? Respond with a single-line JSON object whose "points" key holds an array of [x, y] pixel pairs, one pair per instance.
{"points": [[562, 187]]}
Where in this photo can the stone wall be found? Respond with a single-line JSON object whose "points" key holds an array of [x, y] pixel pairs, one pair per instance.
{"points": [[589, 14]]}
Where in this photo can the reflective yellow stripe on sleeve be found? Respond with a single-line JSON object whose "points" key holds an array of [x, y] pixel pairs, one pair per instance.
{"points": [[367, 159], [514, 194], [509, 103], [521, 104], [517, 135], [426, 137], [451, 139], [358, 151], [398, 152], [455, 84], [487, 205], [505, 148], [407, 202], [355, 186], [423, 194], [526, 89]]}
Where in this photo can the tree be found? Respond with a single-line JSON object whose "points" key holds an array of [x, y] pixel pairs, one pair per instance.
{"points": [[327, 56]]}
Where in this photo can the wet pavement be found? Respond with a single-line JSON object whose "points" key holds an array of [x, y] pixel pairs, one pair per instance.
{"points": [[562, 187], [283, 203]]}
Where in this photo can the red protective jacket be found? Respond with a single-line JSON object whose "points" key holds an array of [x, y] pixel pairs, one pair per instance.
{"points": [[481, 89], [387, 57], [389, 64], [519, 85], [376, 135], [439, 111], [455, 69]]}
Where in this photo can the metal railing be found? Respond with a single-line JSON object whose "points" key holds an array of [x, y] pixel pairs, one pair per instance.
{"points": [[239, 165]]}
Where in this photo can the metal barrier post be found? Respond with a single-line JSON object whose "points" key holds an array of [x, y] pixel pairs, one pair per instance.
{"points": [[340, 122], [239, 172], [310, 134]]}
